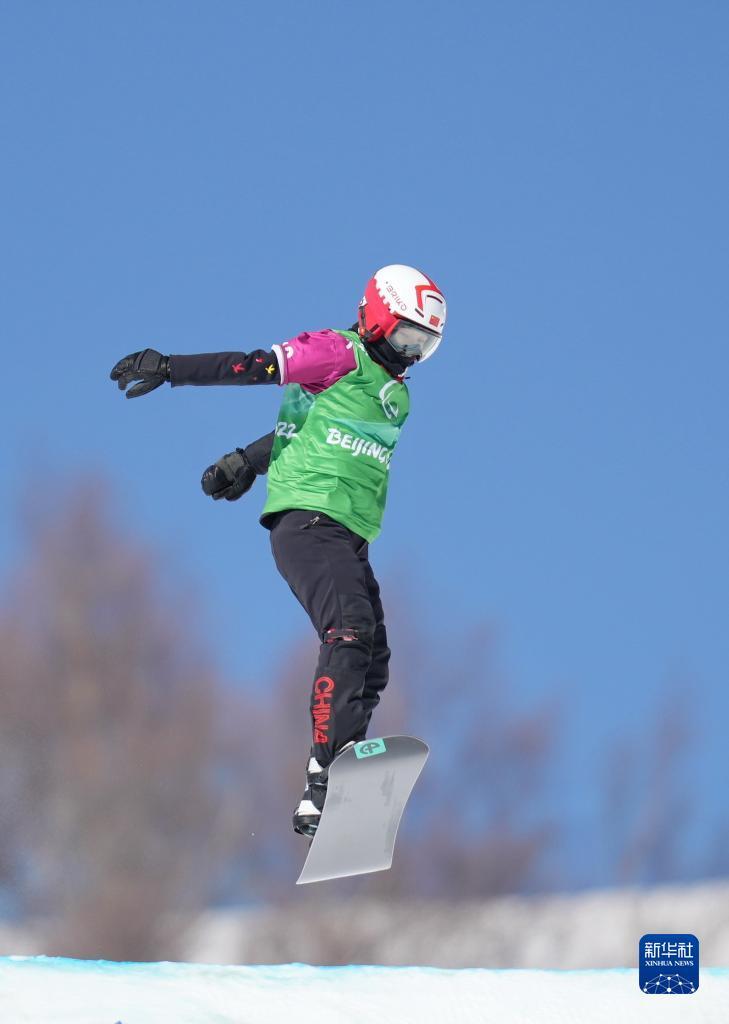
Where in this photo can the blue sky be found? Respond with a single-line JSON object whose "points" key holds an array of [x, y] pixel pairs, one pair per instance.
{"points": [[195, 177]]}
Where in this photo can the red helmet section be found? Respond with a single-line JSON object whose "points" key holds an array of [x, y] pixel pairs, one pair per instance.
{"points": [[375, 318]]}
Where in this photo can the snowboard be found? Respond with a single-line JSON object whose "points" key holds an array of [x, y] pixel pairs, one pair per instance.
{"points": [[369, 785]]}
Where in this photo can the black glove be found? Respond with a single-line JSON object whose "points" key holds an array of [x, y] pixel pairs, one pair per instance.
{"points": [[150, 368], [229, 477]]}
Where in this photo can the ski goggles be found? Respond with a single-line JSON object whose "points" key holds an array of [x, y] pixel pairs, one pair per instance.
{"points": [[413, 341]]}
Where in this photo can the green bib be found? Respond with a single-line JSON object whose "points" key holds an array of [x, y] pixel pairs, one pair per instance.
{"points": [[332, 451]]}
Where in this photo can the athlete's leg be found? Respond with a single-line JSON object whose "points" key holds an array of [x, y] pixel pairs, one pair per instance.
{"points": [[319, 559], [378, 673]]}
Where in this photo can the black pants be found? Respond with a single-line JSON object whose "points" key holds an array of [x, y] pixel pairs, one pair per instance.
{"points": [[326, 566]]}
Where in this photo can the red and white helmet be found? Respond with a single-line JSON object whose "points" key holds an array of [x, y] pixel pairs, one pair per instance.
{"points": [[407, 308]]}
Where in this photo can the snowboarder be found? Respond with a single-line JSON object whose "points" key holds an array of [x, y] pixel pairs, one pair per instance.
{"points": [[328, 462]]}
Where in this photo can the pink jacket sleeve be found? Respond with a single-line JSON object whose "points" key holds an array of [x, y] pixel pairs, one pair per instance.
{"points": [[315, 360]]}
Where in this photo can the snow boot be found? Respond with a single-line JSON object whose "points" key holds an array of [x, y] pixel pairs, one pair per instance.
{"points": [[308, 813]]}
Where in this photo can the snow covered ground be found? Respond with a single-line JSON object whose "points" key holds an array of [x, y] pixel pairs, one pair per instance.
{"points": [[40, 990]]}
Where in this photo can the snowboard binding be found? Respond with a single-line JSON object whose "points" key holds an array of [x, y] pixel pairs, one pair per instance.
{"points": [[307, 815]]}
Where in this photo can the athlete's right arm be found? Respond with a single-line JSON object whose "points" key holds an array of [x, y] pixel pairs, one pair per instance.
{"points": [[315, 359], [256, 367], [149, 369]]}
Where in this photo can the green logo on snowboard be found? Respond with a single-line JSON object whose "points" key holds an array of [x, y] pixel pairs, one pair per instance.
{"points": [[368, 748]]}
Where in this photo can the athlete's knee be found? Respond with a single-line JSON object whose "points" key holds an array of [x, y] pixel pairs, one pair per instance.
{"points": [[362, 635], [347, 651]]}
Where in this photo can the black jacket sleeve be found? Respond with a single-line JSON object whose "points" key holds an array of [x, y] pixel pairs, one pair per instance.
{"points": [[257, 367], [259, 453]]}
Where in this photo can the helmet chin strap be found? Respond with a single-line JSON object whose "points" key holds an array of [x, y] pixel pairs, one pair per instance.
{"points": [[383, 353]]}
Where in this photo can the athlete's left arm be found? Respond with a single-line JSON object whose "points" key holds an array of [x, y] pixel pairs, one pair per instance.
{"points": [[234, 474], [257, 367], [258, 453]]}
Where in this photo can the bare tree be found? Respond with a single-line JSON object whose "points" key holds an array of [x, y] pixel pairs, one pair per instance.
{"points": [[647, 793], [110, 815], [477, 826]]}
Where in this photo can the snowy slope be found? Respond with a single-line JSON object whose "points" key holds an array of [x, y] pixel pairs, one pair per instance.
{"points": [[40, 990]]}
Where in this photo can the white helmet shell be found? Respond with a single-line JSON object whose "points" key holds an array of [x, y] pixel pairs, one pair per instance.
{"points": [[411, 295]]}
